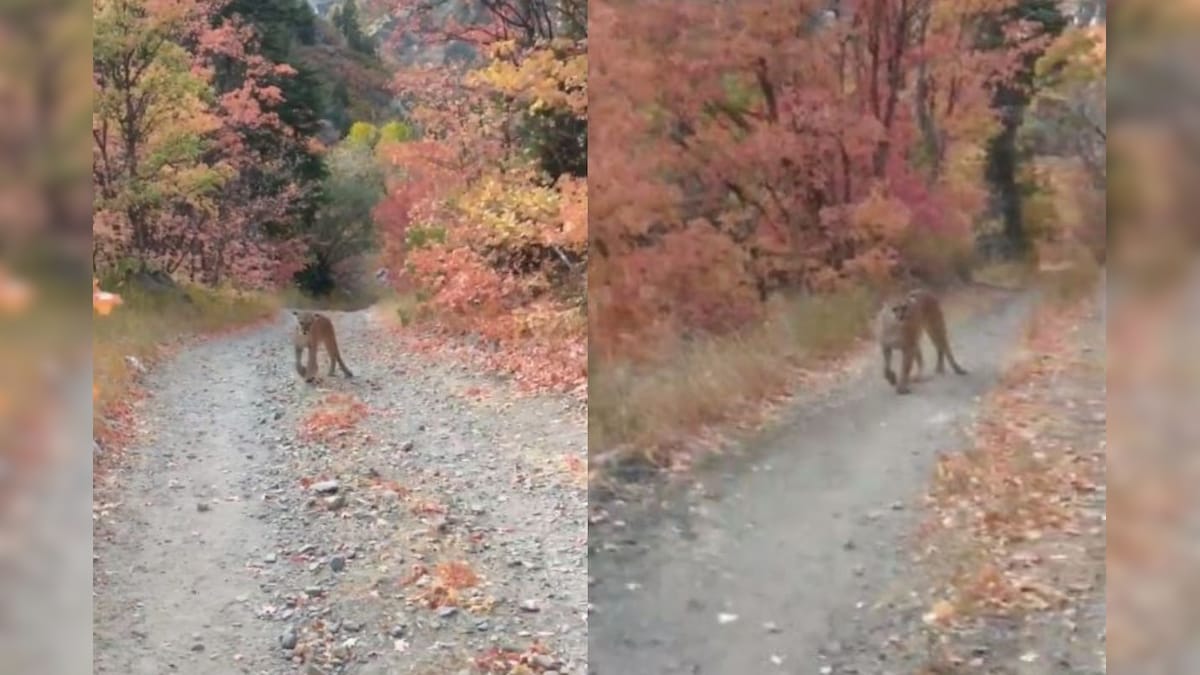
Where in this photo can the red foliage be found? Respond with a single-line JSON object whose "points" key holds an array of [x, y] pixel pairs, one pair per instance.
{"points": [[497, 247], [434, 21], [736, 143], [202, 214]]}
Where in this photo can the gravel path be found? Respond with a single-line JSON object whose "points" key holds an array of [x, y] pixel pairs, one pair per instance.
{"points": [[769, 562], [232, 541]]}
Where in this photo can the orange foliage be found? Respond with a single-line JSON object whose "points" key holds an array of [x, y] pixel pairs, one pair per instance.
{"points": [[445, 586], [753, 160], [500, 661], [497, 248], [336, 415], [457, 575]]}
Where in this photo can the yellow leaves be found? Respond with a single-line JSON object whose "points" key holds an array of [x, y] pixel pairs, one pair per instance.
{"points": [[573, 209], [363, 133], [503, 49], [543, 78], [1055, 212], [395, 131], [1079, 55], [513, 209], [962, 176]]}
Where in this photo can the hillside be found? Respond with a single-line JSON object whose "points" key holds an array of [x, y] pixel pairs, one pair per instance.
{"points": [[355, 85], [380, 23]]}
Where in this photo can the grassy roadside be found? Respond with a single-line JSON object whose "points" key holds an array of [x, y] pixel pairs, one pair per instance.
{"points": [[649, 411], [639, 409], [144, 327]]}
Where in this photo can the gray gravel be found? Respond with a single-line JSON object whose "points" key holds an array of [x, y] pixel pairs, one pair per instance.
{"points": [[235, 545]]}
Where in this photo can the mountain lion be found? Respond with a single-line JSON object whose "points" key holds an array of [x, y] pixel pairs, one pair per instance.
{"points": [[900, 324], [312, 331]]}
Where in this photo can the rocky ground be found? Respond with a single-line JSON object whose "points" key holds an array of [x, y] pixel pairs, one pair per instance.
{"points": [[798, 551], [417, 518]]}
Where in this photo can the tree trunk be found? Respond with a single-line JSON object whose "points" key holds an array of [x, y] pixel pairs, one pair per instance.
{"points": [[1005, 198]]}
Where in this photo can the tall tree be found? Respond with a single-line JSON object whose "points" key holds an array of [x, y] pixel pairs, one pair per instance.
{"points": [[178, 182], [278, 25], [1010, 98], [346, 19]]}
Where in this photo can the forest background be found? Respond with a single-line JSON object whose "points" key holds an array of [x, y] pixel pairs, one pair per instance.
{"points": [[750, 201]]}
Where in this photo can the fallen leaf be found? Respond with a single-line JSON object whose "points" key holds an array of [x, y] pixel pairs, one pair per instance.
{"points": [[941, 612]]}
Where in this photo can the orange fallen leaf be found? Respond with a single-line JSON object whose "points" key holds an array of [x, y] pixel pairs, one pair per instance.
{"points": [[941, 613]]}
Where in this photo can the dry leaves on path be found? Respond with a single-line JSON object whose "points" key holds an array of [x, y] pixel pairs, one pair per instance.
{"points": [[335, 415], [1017, 497], [500, 661]]}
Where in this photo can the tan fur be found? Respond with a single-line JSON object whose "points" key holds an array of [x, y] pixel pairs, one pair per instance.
{"points": [[312, 331], [900, 324]]}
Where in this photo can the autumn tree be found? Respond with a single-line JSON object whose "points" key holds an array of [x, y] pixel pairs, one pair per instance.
{"points": [[749, 148], [1064, 134], [1010, 98], [486, 205], [150, 120], [278, 26], [1068, 110], [180, 184], [344, 226]]}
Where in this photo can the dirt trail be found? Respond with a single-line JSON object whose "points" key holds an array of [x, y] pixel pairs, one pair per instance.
{"points": [[768, 562], [218, 549]]}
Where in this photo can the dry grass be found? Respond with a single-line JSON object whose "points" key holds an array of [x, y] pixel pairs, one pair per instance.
{"points": [[145, 325], [650, 409], [705, 382]]}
